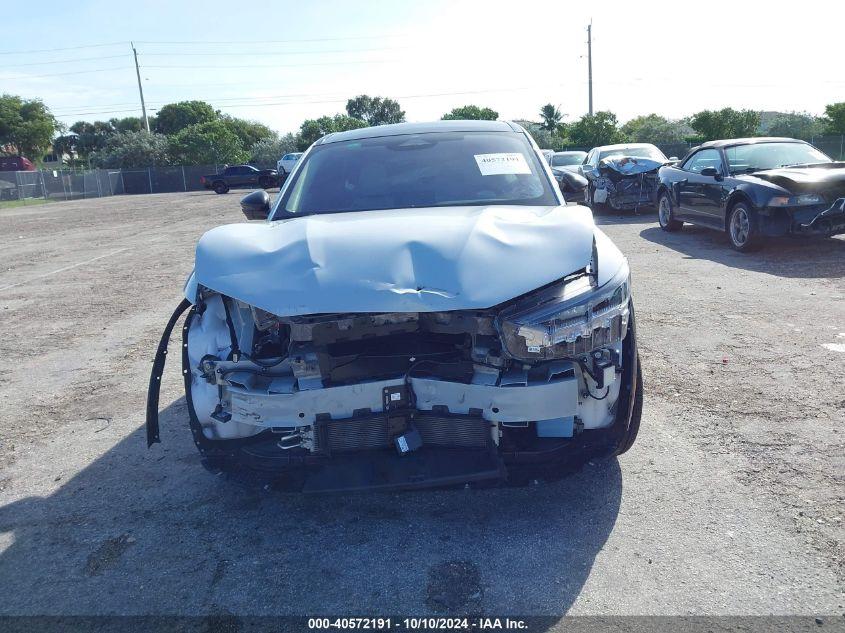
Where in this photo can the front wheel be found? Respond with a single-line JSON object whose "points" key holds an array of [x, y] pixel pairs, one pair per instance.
{"points": [[265, 182], [636, 415], [221, 187], [742, 228], [666, 215]]}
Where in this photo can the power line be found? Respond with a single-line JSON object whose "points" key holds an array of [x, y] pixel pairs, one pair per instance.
{"points": [[309, 102], [68, 61], [333, 63], [76, 72], [318, 39], [67, 48], [266, 53]]}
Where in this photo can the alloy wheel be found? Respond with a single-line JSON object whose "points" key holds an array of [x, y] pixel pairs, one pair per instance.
{"points": [[740, 226]]}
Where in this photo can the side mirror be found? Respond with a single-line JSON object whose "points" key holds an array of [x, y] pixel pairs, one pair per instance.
{"points": [[710, 171], [256, 205], [674, 159], [570, 182]]}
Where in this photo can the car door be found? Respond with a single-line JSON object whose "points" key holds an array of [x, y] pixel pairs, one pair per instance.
{"points": [[231, 175], [249, 175], [700, 194], [585, 166]]}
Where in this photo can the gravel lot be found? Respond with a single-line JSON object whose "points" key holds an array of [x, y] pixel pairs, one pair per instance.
{"points": [[731, 502]]}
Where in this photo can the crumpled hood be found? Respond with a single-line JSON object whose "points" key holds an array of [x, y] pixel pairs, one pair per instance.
{"points": [[630, 165], [409, 260], [817, 178]]}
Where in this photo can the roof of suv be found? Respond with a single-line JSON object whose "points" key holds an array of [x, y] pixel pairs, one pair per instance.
{"points": [[419, 128]]}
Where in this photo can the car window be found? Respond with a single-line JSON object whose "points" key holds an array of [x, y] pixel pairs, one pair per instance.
{"points": [[230, 171], [759, 156], [702, 159], [646, 151], [559, 160], [419, 170]]}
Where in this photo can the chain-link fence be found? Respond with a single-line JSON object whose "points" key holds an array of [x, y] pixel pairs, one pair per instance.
{"points": [[67, 184]]}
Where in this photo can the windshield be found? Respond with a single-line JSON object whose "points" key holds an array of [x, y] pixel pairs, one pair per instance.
{"points": [[760, 156], [643, 151], [570, 158], [419, 170]]}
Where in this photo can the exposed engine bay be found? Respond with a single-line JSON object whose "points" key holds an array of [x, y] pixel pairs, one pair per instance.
{"points": [[333, 383], [626, 182]]}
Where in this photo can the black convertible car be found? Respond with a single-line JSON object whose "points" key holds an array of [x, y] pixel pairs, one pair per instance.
{"points": [[754, 188]]}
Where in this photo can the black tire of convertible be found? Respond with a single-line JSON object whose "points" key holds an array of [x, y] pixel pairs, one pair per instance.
{"points": [[636, 415], [221, 187]]}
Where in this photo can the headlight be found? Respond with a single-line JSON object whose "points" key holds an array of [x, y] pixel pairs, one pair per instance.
{"points": [[804, 199], [568, 319]]}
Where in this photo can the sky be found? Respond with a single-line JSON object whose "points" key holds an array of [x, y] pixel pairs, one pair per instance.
{"points": [[282, 62]]}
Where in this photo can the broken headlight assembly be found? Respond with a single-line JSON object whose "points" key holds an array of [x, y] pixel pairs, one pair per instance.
{"points": [[803, 200], [567, 319]]}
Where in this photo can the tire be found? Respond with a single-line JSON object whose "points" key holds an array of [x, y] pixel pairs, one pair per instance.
{"points": [[220, 187], [666, 214], [265, 182], [636, 415], [742, 228]]}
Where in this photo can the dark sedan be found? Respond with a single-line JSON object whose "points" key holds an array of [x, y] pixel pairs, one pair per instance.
{"points": [[754, 188]]}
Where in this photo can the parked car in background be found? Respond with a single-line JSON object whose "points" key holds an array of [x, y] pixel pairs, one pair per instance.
{"points": [[622, 176], [16, 163], [237, 176], [356, 340], [754, 188], [287, 163], [569, 160]]}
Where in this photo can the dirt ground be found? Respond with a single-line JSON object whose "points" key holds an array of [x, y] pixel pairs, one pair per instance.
{"points": [[731, 502]]}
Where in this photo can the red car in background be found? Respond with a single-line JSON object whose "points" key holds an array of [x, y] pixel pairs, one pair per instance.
{"points": [[16, 163]]}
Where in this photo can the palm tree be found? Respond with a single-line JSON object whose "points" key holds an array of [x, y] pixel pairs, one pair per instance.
{"points": [[551, 117]]}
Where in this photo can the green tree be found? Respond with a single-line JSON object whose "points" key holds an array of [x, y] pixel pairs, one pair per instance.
{"points": [[91, 136], [834, 118], [268, 151], [471, 113], [26, 125], [132, 149], [551, 117], [128, 124], [600, 128], [801, 125], [250, 132], [65, 144], [207, 143], [725, 123], [375, 110], [175, 117], [313, 129], [653, 128]]}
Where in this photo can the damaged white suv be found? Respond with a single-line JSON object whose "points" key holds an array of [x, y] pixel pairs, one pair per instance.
{"points": [[420, 308]]}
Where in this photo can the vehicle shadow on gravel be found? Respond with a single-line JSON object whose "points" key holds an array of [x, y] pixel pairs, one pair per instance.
{"points": [[140, 532], [814, 258], [608, 216]]}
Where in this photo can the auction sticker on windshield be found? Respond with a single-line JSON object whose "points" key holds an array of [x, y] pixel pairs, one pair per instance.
{"points": [[498, 164]]}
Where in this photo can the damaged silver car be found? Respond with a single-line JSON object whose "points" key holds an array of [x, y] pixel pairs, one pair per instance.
{"points": [[419, 308], [623, 177]]}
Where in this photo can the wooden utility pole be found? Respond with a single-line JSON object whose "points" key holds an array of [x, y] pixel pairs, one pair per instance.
{"points": [[141, 89]]}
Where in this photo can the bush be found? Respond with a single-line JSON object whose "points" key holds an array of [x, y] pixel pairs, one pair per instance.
{"points": [[268, 151], [207, 143], [132, 149]]}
